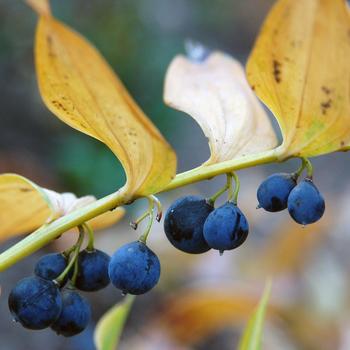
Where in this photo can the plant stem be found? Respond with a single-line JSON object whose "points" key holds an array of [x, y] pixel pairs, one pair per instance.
{"points": [[215, 196], [59, 280], [90, 247], [47, 233], [234, 196], [206, 172], [309, 167], [75, 272], [159, 207], [135, 224], [144, 236]]}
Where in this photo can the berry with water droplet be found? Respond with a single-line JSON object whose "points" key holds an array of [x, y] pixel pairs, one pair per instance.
{"points": [[226, 227], [305, 203]]}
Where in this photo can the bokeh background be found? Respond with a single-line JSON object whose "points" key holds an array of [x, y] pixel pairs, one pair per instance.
{"points": [[201, 302]]}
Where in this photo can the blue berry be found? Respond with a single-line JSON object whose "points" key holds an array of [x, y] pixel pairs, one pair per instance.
{"points": [[274, 191], [226, 227], [183, 224], [305, 203], [50, 266], [134, 268], [92, 270], [35, 302], [75, 314]]}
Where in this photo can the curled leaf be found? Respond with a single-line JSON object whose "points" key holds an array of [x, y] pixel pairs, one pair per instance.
{"points": [[300, 69], [216, 94], [25, 206], [110, 326], [80, 88]]}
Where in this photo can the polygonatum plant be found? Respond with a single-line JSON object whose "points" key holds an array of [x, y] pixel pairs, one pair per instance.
{"points": [[298, 68]]}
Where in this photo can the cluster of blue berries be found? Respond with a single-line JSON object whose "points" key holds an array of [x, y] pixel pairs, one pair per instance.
{"points": [[280, 191], [193, 225], [50, 297]]}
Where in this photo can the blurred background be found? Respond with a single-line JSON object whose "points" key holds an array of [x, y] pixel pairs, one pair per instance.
{"points": [[202, 302]]}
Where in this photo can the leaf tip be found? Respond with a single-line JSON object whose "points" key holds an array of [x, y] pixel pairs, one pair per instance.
{"points": [[41, 7]]}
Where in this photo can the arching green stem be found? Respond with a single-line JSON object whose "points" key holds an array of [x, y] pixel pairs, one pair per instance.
{"points": [[90, 232], [305, 163], [233, 194], [159, 207], [309, 167], [215, 196], [144, 236], [47, 233], [59, 280]]}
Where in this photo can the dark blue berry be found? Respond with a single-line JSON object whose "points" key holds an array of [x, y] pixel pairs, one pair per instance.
{"points": [[35, 302], [50, 266], [134, 268], [75, 314], [183, 224], [92, 270], [274, 191], [226, 228], [305, 203]]}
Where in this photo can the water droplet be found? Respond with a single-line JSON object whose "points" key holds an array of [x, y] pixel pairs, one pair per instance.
{"points": [[124, 293]]}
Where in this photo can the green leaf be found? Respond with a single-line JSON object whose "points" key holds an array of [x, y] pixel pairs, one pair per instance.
{"points": [[110, 326], [251, 339]]}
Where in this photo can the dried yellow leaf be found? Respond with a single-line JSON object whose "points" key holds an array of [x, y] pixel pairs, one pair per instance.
{"points": [[216, 94], [300, 69], [80, 88], [25, 206]]}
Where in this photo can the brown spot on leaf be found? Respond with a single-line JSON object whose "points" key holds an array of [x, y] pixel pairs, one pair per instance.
{"points": [[326, 90], [325, 106], [50, 46], [24, 189], [277, 70], [59, 105], [342, 143]]}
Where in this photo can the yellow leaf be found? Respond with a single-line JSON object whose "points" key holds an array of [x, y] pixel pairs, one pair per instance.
{"points": [[40, 6], [300, 69], [251, 339], [25, 206], [80, 88], [216, 94], [110, 326]]}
